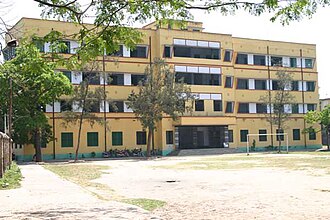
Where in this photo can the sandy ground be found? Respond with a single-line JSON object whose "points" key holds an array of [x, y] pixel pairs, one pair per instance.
{"points": [[215, 194], [44, 195], [190, 194]]}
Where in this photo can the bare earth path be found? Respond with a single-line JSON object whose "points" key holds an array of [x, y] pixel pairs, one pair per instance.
{"points": [[259, 193], [44, 195]]}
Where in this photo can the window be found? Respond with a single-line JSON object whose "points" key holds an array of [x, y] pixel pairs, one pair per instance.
{"points": [[66, 139], [169, 137], [278, 134], [259, 60], [117, 106], [92, 78], [293, 62], [243, 108], [260, 84], [217, 105], [243, 134], [311, 86], [117, 138], [196, 52], [311, 107], [229, 107], [228, 55], [242, 58], [230, 136], [199, 78], [295, 85], [66, 47], [136, 79], [40, 45], [140, 52], [276, 61], [67, 74], [312, 135], [295, 108], [92, 139], [296, 134], [184, 77], [242, 84], [275, 85], [66, 106], [199, 105], [261, 108], [167, 51], [118, 53], [229, 82], [141, 138], [116, 79], [263, 137], [309, 63]]}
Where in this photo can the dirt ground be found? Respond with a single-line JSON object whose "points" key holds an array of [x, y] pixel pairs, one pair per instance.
{"points": [[262, 193], [257, 193]]}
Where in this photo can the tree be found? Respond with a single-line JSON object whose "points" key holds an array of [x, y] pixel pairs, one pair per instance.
{"points": [[279, 102], [157, 96], [85, 101], [322, 118], [34, 84]]}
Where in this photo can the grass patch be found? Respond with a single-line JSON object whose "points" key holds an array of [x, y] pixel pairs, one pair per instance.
{"points": [[295, 161], [147, 204], [12, 178], [83, 174]]}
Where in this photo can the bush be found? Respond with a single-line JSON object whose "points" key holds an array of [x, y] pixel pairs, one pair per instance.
{"points": [[12, 178]]}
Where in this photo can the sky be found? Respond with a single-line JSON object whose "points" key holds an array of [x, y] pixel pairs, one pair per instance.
{"points": [[313, 31]]}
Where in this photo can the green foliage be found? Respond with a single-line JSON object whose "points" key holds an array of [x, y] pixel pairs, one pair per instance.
{"points": [[12, 178], [34, 84], [159, 95]]}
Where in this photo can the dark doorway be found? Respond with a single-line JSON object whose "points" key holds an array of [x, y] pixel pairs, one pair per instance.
{"points": [[193, 137]]}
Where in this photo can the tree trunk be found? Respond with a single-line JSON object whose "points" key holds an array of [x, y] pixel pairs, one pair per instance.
{"points": [[327, 132], [150, 130], [37, 145], [79, 136]]}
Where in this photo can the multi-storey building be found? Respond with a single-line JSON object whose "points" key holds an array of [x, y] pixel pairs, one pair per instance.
{"points": [[227, 74]]}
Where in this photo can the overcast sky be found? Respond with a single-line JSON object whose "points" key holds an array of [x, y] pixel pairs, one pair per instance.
{"points": [[314, 31]]}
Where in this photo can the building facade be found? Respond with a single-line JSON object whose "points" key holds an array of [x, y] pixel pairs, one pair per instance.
{"points": [[228, 75]]}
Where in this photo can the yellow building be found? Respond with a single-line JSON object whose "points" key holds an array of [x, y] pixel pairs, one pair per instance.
{"points": [[227, 74]]}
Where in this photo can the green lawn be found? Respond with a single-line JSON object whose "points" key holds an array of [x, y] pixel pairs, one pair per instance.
{"points": [[12, 178], [83, 174], [294, 161]]}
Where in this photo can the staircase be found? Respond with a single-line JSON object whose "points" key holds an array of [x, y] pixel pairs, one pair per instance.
{"points": [[207, 151]]}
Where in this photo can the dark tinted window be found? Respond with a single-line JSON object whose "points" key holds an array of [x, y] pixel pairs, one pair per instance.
{"points": [[198, 78], [229, 107], [167, 51], [295, 86], [139, 51], [260, 84], [243, 108], [312, 135], [141, 138], [66, 47], [91, 77], [275, 85], [169, 137], [276, 61], [296, 134], [67, 74], [196, 52], [295, 108], [65, 106], [217, 105], [261, 108], [263, 137], [135, 79], [311, 107], [309, 63], [279, 135], [229, 82], [311, 86], [118, 53], [243, 134], [293, 62], [185, 77], [242, 59], [242, 84], [230, 136], [228, 56], [259, 60], [116, 106], [199, 105], [116, 79]]}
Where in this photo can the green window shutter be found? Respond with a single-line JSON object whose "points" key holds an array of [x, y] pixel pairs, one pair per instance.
{"points": [[67, 139], [117, 138], [296, 134], [92, 139]]}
